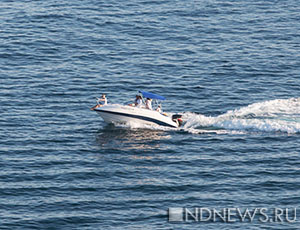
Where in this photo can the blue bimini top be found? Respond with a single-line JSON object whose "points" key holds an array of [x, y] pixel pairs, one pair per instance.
{"points": [[152, 95]]}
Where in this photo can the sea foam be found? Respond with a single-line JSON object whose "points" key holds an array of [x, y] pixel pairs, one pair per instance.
{"points": [[280, 115]]}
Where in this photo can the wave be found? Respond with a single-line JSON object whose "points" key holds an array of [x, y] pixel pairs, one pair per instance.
{"points": [[280, 115]]}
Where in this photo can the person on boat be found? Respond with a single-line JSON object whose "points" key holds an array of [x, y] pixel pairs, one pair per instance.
{"points": [[99, 100], [104, 99], [159, 109], [137, 102], [148, 103]]}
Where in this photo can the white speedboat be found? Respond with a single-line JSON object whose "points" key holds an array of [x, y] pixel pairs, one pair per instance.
{"points": [[122, 114]]}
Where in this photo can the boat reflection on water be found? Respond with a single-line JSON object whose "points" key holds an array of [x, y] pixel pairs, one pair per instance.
{"points": [[126, 138]]}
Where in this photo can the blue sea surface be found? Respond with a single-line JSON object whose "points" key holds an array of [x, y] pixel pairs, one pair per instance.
{"points": [[231, 67]]}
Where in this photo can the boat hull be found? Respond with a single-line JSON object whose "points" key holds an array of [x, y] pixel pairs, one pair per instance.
{"points": [[128, 114]]}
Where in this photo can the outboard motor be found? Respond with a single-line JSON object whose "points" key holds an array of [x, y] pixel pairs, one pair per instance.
{"points": [[178, 119]]}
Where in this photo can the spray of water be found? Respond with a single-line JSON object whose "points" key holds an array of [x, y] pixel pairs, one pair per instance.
{"points": [[280, 115]]}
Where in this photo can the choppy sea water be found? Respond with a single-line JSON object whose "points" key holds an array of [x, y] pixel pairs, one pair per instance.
{"points": [[230, 67]]}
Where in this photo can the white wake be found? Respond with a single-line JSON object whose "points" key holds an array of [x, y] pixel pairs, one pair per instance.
{"points": [[280, 115]]}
